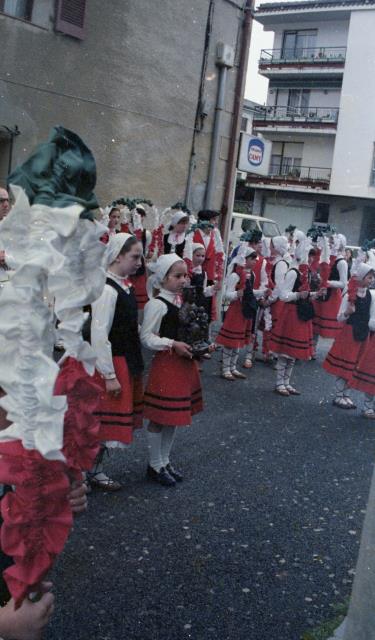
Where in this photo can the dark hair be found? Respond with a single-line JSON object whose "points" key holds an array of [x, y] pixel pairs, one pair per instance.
{"points": [[313, 252], [114, 209], [128, 244]]}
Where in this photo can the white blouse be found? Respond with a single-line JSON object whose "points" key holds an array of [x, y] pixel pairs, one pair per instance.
{"points": [[231, 293], [154, 312], [281, 269], [103, 311]]}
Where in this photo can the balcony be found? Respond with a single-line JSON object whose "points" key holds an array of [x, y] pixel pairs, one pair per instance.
{"points": [[296, 178], [310, 61], [297, 119]]}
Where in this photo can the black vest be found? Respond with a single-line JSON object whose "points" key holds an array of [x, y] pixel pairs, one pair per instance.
{"points": [[124, 337], [360, 318], [170, 323], [179, 248], [334, 273]]}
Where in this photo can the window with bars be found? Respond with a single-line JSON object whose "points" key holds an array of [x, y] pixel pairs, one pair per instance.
{"points": [[70, 18], [17, 8], [243, 124]]}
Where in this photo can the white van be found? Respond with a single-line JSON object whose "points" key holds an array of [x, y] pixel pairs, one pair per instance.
{"points": [[242, 222]]}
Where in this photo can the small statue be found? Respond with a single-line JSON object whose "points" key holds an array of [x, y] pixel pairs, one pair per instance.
{"points": [[193, 324]]}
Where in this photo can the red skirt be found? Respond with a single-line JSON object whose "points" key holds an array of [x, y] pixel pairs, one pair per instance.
{"points": [[291, 336], [235, 331], [276, 310], [343, 356], [325, 320], [173, 393], [363, 377], [121, 414], [140, 289]]}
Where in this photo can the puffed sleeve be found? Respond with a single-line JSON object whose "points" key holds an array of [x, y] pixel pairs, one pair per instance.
{"points": [[286, 291], [371, 323], [342, 268], [103, 311], [230, 290], [154, 312]]}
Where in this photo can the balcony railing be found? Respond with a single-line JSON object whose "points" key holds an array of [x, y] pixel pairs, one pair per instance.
{"points": [[285, 114], [318, 177], [303, 55]]}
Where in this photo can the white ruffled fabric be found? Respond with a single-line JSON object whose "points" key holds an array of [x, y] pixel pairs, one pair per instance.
{"points": [[54, 253]]}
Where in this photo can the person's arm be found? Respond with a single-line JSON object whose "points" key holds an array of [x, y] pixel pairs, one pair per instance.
{"points": [[286, 292], [231, 292], [263, 276], [342, 268], [371, 323], [208, 291], [345, 309], [154, 312], [103, 311]]}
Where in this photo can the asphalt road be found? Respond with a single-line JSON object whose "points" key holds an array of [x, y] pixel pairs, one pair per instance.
{"points": [[259, 541]]}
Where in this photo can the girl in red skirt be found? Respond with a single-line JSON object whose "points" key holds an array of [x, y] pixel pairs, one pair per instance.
{"points": [[327, 307], [173, 393], [115, 340], [363, 378], [235, 332], [350, 346], [291, 337]]}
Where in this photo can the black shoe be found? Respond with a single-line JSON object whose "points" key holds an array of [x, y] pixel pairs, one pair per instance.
{"points": [[162, 477], [175, 474]]}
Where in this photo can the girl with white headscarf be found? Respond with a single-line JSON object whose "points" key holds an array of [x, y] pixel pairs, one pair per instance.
{"points": [[281, 260], [173, 393], [174, 240], [115, 340], [291, 337], [352, 356], [327, 307]]}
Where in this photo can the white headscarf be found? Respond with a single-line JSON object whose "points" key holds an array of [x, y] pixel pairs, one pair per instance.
{"points": [[339, 244], [280, 244], [161, 268], [177, 217], [114, 246], [302, 246], [362, 270], [198, 245]]}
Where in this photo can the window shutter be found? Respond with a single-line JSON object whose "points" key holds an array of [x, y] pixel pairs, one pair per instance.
{"points": [[70, 17]]}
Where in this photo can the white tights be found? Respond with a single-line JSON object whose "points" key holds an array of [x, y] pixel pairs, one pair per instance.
{"points": [[230, 358], [284, 368]]}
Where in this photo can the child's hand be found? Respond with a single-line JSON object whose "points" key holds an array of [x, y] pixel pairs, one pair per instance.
{"points": [[182, 349], [113, 387], [240, 294], [77, 497], [28, 622], [303, 295], [350, 309], [212, 347]]}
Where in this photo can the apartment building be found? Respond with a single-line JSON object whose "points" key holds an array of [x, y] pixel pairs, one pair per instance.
{"points": [[319, 115]]}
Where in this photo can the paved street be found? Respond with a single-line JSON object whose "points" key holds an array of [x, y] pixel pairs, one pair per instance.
{"points": [[259, 541]]}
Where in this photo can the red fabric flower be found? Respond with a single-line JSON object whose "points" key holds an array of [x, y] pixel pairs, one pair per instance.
{"points": [[37, 516], [304, 271], [81, 426]]}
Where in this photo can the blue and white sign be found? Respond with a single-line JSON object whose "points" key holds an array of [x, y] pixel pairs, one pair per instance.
{"points": [[254, 155], [255, 152]]}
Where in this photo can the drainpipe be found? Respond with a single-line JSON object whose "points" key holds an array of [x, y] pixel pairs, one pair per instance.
{"points": [[224, 61], [230, 179]]}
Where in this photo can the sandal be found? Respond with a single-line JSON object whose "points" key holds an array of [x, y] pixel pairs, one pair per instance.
{"points": [[282, 391], [293, 391], [369, 414], [248, 363], [350, 403], [238, 374], [341, 403], [228, 376], [106, 483]]}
